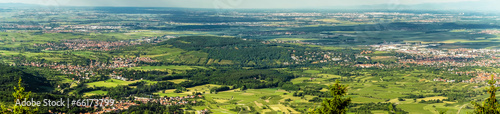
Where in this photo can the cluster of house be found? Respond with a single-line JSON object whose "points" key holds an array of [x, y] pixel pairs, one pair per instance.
{"points": [[370, 65], [484, 77], [479, 77], [315, 57], [171, 100], [58, 31], [443, 57], [17, 26], [85, 72], [290, 41], [452, 62], [129, 62], [366, 52], [261, 33], [490, 31], [81, 28], [82, 44], [126, 104], [442, 80], [421, 50]]}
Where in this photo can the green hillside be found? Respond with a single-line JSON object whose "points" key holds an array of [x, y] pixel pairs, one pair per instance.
{"points": [[9, 76]]}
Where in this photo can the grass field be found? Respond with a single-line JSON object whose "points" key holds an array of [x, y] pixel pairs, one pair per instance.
{"points": [[252, 97], [415, 108], [384, 58], [170, 67], [292, 39], [109, 83], [363, 87], [225, 100], [372, 89], [177, 80], [97, 92], [312, 71], [202, 88]]}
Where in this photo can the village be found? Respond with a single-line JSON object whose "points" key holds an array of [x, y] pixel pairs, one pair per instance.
{"points": [[423, 55], [86, 71], [121, 105], [91, 45]]}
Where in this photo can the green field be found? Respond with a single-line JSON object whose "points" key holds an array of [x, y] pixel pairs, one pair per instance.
{"points": [[292, 39], [170, 67], [201, 88], [263, 77], [372, 89], [109, 83], [177, 80], [97, 92]]}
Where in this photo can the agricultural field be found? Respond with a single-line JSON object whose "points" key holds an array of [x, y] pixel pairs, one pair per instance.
{"points": [[98, 92], [183, 60], [109, 83], [171, 67], [200, 88]]}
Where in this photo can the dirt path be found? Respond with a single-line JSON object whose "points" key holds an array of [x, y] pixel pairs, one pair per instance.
{"points": [[258, 104], [461, 108]]}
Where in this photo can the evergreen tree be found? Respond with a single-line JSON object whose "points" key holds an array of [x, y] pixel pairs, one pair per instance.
{"points": [[20, 94], [336, 105], [490, 105]]}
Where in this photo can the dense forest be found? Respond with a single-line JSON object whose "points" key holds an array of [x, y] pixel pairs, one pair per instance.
{"points": [[9, 77]]}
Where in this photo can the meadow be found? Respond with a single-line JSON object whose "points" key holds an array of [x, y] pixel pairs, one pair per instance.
{"points": [[110, 83]]}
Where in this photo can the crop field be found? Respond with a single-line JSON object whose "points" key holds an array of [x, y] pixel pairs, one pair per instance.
{"points": [[201, 88], [260, 99], [96, 92], [109, 83], [292, 39], [170, 67], [177, 80], [373, 89], [250, 61], [251, 97]]}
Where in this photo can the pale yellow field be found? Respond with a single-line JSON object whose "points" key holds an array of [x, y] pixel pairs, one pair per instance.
{"points": [[177, 81], [432, 98]]}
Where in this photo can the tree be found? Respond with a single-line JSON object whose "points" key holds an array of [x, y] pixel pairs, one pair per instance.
{"points": [[336, 105], [178, 90], [490, 105], [442, 111], [243, 88], [391, 108], [20, 94]]}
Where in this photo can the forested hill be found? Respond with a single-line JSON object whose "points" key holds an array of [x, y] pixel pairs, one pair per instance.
{"points": [[9, 77], [246, 53], [202, 42]]}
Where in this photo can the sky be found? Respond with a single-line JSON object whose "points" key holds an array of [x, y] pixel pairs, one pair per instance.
{"points": [[241, 4]]}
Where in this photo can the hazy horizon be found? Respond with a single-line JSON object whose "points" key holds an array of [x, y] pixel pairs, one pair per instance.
{"points": [[274, 4]]}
